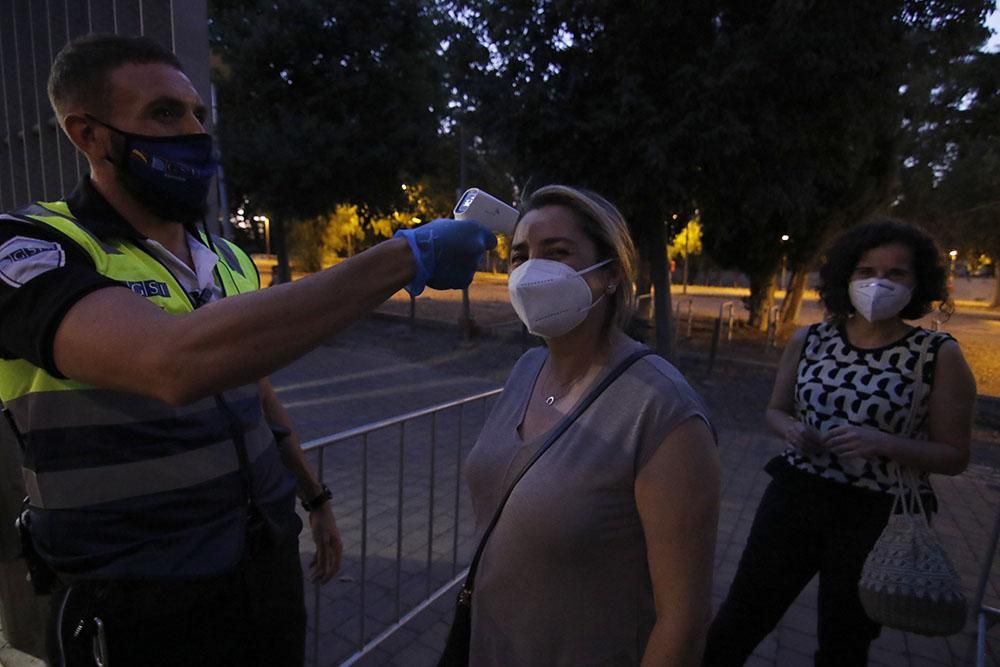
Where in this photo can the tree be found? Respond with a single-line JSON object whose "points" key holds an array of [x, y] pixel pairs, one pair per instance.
{"points": [[804, 118], [596, 93], [318, 242], [798, 134], [326, 102], [950, 171], [685, 243]]}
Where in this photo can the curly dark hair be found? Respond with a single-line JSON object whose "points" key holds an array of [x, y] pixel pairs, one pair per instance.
{"points": [[844, 254]]}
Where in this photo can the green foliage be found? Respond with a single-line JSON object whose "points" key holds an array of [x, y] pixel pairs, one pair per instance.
{"points": [[950, 177], [318, 242], [326, 101], [687, 241], [804, 119], [773, 117], [593, 92], [306, 244], [799, 127]]}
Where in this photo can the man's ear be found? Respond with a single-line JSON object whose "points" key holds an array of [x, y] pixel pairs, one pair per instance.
{"points": [[84, 136]]}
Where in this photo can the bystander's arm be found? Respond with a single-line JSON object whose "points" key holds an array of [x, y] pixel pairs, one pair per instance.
{"points": [[322, 523], [781, 408]]}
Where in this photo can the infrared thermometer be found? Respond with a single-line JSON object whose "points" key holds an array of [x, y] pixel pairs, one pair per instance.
{"points": [[483, 207]]}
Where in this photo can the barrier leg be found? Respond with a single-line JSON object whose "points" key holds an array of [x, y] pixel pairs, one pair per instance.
{"points": [[716, 334]]}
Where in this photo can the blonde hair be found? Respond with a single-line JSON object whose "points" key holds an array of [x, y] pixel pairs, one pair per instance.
{"points": [[603, 224]]}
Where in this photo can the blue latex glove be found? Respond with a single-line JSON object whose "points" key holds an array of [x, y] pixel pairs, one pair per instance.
{"points": [[447, 252]]}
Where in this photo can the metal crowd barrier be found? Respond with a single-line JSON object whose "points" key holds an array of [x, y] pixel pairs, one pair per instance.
{"points": [[690, 315], [648, 296], [773, 315], [394, 439], [717, 332], [985, 616]]}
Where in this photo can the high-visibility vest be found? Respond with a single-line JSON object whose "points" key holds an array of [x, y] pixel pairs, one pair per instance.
{"points": [[126, 486]]}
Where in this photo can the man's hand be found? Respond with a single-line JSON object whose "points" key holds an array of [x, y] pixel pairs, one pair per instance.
{"points": [[447, 253], [329, 547]]}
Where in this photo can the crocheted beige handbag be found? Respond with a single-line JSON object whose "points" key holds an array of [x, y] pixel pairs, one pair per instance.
{"points": [[908, 581]]}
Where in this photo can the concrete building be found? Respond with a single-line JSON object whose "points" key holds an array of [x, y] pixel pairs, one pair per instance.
{"points": [[37, 162]]}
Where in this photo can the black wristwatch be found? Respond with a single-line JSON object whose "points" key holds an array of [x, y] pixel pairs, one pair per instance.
{"points": [[321, 499]]}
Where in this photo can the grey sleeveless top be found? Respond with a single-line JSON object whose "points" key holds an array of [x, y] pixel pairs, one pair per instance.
{"points": [[564, 578]]}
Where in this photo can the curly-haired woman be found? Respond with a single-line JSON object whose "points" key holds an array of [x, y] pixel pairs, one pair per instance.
{"points": [[843, 391]]}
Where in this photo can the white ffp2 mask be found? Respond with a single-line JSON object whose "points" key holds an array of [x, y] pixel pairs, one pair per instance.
{"points": [[878, 299], [550, 297]]}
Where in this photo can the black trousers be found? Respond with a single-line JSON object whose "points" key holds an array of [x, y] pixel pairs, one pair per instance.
{"points": [[798, 532], [254, 615]]}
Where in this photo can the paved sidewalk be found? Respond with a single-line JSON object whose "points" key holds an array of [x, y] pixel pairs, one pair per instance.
{"points": [[11, 657], [381, 368], [968, 506], [736, 393]]}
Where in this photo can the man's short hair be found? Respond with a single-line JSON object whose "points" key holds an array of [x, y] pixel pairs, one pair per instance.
{"points": [[80, 73]]}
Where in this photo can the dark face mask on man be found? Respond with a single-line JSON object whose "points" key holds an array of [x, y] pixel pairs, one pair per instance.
{"points": [[169, 176]]}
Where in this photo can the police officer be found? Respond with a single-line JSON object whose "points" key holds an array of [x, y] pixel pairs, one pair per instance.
{"points": [[136, 351]]}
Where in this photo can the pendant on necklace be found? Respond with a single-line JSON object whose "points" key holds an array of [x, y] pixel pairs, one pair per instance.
{"points": [[550, 400]]}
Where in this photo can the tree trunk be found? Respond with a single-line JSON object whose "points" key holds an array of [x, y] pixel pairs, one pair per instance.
{"points": [[792, 305], [761, 299], [281, 249], [643, 285], [655, 244]]}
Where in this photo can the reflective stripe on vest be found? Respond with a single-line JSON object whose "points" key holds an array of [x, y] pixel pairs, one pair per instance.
{"points": [[90, 406], [127, 263], [95, 459], [81, 487]]}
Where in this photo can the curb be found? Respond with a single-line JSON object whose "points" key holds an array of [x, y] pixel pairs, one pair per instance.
{"points": [[11, 657], [988, 411]]}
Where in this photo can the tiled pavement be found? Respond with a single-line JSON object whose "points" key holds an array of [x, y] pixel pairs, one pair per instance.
{"points": [[383, 373], [968, 510], [381, 368]]}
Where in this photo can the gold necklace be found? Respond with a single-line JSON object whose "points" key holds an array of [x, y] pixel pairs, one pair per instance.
{"points": [[567, 388]]}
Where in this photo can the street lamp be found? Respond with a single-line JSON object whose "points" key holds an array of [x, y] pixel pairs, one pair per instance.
{"points": [[951, 270], [785, 238], [267, 232]]}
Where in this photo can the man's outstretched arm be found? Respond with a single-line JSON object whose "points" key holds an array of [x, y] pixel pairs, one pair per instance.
{"points": [[115, 339]]}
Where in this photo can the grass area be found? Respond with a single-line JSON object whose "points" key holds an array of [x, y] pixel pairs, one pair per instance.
{"points": [[265, 264]]}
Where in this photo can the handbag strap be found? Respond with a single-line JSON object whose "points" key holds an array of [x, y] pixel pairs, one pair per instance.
{"points": [[905, 477], [559, 429]]}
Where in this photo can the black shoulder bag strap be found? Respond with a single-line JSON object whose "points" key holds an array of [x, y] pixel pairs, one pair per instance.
{"points": [[456, 650], [465, 595]]}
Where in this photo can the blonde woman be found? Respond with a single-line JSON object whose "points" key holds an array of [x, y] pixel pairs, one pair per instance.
{"points": [[603, 553]]}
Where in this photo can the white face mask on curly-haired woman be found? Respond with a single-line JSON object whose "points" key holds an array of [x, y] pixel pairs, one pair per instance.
{"points": [[882, 282], [878, 299]]}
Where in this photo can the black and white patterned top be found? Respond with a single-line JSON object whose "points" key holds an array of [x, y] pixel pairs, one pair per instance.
{"points": [[838, 384]]}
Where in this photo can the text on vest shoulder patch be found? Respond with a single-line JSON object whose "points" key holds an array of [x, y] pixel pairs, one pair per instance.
{"points": [[23, 258]]}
